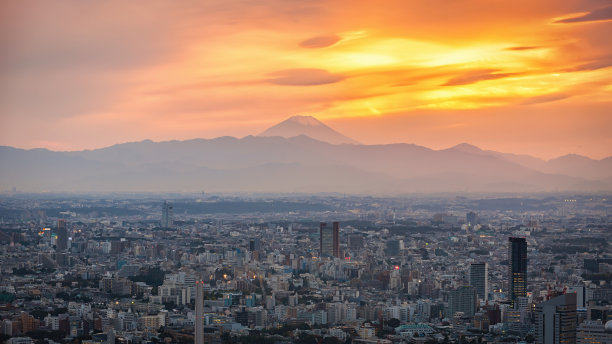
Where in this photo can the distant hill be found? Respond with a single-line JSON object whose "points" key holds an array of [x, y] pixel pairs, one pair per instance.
{"points": [[308, 126], [296, 164], [571, 165]]}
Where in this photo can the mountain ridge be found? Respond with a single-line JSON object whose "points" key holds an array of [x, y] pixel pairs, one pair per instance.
{"points": [[297, 164], [236, 139]]}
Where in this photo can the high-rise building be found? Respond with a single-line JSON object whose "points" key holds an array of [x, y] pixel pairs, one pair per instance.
{"points": [[392, 247], [479, 279], [594, 332], [255, 244], [329, 240], [601, 313], [556, 320], [471, 219], [199, 313], [355, 242], [593, 264], [167, 220], [517, 268], [581, 295], [62, 236], [462, 299]]}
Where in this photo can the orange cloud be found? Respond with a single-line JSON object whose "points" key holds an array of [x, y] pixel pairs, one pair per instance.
{"points": [[475, 76], [604, 13], [303, 77], [320, 41], [74, 77]]}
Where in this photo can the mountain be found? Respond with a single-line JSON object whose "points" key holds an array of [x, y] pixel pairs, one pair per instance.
{"points": [[571, 165], [307, 126], [296, 164]]}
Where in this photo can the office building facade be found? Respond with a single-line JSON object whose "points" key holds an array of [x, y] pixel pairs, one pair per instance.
{"points": [[61, 244], [479, 279], [556, 320], [167, 220], [471, 218], [517, 268], [594, 332], [329, 240], [462, 299]]}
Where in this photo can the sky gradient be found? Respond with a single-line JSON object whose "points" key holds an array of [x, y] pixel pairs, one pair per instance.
{"points": [[529, 77]]}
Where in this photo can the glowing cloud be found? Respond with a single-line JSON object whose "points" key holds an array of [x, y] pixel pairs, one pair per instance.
{"points": [[73, 78]]}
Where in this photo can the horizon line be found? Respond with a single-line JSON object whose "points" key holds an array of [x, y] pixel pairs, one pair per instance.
{"points": [[304, 135]]}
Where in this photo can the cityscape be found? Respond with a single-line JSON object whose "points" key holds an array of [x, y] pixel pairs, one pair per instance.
{"points": [[310, 172], [306, 269]]}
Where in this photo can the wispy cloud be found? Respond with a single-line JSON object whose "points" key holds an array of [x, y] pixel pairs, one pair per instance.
{"points": [[304, 77], [604, 13], [545, 99], [520, 48], [320, 41], [476, 76], [600, 63]]}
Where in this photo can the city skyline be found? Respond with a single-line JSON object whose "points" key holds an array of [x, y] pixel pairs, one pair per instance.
{"points": [[524, 78], [250, 269]]}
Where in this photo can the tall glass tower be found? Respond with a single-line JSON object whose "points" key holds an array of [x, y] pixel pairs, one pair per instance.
{"points": [[479, 279], [517, 268], [62, 236], [167, 220]]}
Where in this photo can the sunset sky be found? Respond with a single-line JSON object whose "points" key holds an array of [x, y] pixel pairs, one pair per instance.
{"points": [[530, 77]]}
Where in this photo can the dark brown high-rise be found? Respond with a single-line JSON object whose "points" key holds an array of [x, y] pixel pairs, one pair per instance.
{"points": [[329, 240]]}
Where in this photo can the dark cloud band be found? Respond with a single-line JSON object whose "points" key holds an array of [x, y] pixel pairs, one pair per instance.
{"points": [[604, 13], [320, 42], [304, 77]]}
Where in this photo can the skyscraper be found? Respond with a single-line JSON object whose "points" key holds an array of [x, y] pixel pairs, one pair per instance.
{"points": [[462, 299], [167, 220], [329, 242], [62, 236], [199, 313], [471, 219], [556, 320], [517, 268], [355, 242], [392, 247], [255, 244], [479, 279]]}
